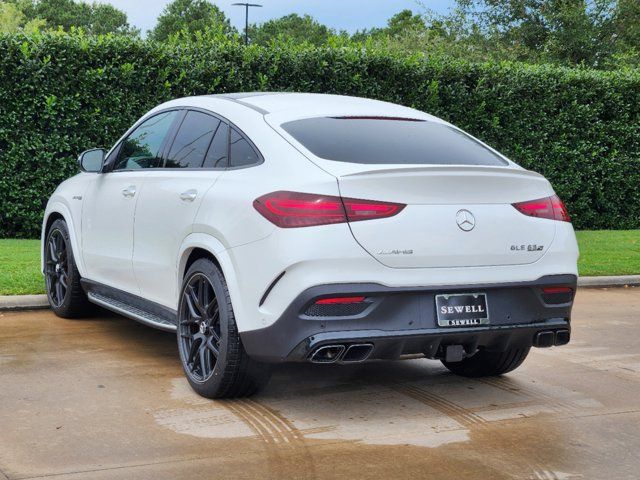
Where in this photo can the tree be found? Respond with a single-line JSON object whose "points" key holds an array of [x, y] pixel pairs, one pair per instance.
{"points": [[94, 19], [402, 24], [13, 19], [191, 16], [565, 31], [595, 33], [294, 27], [104, 18], [626, 29]]}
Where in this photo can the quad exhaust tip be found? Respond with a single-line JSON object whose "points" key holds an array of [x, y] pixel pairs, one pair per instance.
{"points": [[357, 352], [549, 338], [328, 354], [562, 337]]}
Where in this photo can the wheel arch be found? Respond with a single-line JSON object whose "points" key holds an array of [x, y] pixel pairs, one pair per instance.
{"points": [[202, 245], [55, 212], [195, 246], [194, 254]]}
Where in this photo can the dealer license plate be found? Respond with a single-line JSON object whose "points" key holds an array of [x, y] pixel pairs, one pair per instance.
{"points": [[462, 309]]}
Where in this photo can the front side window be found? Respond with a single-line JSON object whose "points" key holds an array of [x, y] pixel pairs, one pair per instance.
{"points": [[141, 149], [192, 141], [240, 151], [379, 140]]}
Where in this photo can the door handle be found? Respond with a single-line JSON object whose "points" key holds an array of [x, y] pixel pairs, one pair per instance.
{"points": [[189, 195], [130, 191]]}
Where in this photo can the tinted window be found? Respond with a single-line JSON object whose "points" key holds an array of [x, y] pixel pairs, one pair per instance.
{"points": [[380, 140], [219, 149], [241, 151], [192, 141], [141, 149]]}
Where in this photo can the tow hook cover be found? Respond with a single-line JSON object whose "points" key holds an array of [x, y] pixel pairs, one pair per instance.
{"points": [[454, 353]]}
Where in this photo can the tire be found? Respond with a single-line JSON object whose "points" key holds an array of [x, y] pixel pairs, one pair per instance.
{"points": [[213, 357], [488, 364], [62, 279]]}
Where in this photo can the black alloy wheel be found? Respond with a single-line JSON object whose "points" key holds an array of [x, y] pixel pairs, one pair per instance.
{"points": [[199, 329], [62, 278], [56, 268], [213, 357]]}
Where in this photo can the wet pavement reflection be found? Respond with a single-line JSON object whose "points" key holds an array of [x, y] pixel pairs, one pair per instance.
{"points": [[105, 398]]}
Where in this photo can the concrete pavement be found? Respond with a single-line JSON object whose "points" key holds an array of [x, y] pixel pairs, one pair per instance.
{"points": [[105, 398]]}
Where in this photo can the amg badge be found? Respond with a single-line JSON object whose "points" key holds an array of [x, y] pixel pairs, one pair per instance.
{"points": [[395, 252]]}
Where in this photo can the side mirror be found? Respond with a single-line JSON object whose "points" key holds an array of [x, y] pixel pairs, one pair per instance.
{"points": [[92, 160]]}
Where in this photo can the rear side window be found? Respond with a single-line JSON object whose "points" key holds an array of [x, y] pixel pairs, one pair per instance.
{"points": [[141, 149], [240, 151], [219, 149], [192, 141], [377, 140]]}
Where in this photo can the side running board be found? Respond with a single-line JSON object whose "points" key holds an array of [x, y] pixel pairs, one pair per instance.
{"points": [[132, 312]]}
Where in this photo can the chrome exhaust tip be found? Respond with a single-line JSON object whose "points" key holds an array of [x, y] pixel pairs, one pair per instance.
{"points": [[327, 354], [358, 352]]}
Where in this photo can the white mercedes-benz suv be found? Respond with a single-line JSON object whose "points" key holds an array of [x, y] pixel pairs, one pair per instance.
{"points": [[285, 227]]}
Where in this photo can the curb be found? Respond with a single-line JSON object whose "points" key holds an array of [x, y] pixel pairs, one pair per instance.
{"points": [[35, 302], [606, 282], [23, 302]]}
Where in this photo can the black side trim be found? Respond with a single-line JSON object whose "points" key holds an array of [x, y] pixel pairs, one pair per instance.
{"points": [[166, 314], [270, 287]]}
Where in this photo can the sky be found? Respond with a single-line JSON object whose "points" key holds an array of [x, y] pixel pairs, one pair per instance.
{"points": [[349, 15]]}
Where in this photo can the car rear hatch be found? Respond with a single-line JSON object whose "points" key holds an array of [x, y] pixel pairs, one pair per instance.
{"points": [[455, 216], [459, 193]]}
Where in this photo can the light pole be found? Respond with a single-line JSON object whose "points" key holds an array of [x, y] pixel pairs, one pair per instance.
{"points": [[246, 18]]}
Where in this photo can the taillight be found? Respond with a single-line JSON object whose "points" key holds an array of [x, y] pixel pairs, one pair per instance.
{"points": [[369, 209], [294, 209], [550, 207]]}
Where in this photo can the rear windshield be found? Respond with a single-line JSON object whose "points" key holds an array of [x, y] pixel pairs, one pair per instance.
{"points": [[376, 140]]}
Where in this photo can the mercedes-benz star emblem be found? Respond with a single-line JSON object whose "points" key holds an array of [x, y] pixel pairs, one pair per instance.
{"points": [[465, 220]]}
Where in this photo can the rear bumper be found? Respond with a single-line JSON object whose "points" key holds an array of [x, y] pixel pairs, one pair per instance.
{"points": [[399, 321]]}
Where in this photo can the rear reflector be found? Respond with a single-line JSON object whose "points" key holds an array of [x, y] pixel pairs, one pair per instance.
{"points": [[553, 290], [340, 300], [557, 295], [338, 307], [550, 207], [294, 209]]}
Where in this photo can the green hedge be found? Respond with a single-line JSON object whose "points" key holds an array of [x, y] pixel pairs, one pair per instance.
{"points": [[62, 94]]}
